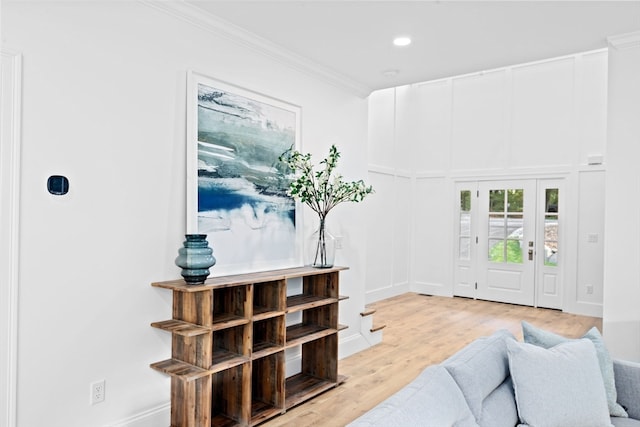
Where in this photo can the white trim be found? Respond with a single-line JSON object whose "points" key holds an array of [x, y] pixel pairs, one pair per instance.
{"points": [[352, 344], [432, 289], [524, 64], [154, 417], [386, 170], [625, 41], [382, 170], [386, 292], [431, 175], [10, 191], [541, 172], [582, 308], [221, 28]]}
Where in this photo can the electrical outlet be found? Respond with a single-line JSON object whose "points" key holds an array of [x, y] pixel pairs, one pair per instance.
{"points": [[338, 242], [97, 392], [589, 289]]}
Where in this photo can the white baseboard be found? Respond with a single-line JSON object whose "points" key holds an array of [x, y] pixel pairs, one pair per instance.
{"points": [[436, 289], [353, 344], [159, 416], [584, 309], [384, 293]]}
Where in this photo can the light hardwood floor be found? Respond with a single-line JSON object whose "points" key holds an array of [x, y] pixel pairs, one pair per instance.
{"points": [[421, 331]]}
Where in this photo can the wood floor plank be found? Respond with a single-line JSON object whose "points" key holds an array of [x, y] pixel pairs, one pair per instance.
{"points": [[421, 331]]}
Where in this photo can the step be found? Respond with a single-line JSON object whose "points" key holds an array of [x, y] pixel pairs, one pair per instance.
{"points": [[377, 328], [367, 312]]}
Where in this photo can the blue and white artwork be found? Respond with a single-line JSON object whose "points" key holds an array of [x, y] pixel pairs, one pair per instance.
{"points": [[242, 201]]}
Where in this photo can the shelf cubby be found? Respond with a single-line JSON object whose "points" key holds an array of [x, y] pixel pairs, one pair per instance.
{"points": [[231, 306], [268, 336], [267, 387], [316, 323], [268, 299], [317, 374], [231, 347], [231, 397]]}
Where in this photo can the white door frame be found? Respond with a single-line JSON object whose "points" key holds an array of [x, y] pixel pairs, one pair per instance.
{"points": [[10, 126], [548, 280]]}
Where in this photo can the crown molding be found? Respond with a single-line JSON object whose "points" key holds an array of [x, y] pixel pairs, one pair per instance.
{"points": [[224, 29], [625, 41]]}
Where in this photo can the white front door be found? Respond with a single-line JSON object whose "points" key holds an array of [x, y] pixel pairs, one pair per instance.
{"points": [[507, 240]]}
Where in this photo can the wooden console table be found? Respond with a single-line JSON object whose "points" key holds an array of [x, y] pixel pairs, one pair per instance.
{"points": [[229, 337]]}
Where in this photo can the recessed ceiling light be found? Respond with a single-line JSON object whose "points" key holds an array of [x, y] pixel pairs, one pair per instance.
{"points": [[402, 41], [390, 73]]}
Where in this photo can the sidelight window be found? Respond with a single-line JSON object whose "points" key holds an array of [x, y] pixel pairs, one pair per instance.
{"points": [[551, 227], [464, 232]]}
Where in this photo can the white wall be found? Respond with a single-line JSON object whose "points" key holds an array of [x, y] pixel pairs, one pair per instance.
{"points": [[104, 104], [621, 320], [537, 120]]}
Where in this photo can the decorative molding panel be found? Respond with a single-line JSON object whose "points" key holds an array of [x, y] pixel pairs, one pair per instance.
{"points": [[625, 41], [224, 29], [10, 118]]}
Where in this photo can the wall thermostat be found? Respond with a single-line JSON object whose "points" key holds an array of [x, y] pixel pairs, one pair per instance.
{"points": [[58, 185]]}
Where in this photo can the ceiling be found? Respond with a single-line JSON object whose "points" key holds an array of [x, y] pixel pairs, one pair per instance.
{"points": [[353, 39]]}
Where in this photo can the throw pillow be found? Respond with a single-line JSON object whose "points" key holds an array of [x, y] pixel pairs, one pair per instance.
{"points": [[558, 387], [548, 339]]}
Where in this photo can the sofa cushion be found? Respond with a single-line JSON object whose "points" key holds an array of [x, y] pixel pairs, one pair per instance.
{"points": [[479, 369], [624, 422], [432, 400], [499, 407], [560, 386], [548, 339], [628, 386]]}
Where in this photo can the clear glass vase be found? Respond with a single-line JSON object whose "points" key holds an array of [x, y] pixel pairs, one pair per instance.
{"points": [[321, 247]]}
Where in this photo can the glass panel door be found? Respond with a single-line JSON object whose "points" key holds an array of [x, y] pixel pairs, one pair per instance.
{"points": [[506, 238]]}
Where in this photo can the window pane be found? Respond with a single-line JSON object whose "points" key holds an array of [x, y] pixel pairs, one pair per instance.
{"points": [[551, 240], [496, 200], [515, 200], [465, 248], [551, 202], [514, 251], [515, 224], [465, 201], [497, 227], [496, 250], [552, 196], [465, 224]]}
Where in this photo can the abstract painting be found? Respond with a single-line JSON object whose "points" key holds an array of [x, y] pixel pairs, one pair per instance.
{"points": [[237, 187]]}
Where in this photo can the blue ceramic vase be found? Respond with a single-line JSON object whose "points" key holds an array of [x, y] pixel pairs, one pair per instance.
{"points": [[195, 258]]}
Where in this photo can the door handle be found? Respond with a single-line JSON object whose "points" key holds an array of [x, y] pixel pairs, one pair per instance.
{"points": [[530, 254]]}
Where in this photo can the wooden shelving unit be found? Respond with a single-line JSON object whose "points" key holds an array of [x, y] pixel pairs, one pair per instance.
{"points": [[229, 337]]}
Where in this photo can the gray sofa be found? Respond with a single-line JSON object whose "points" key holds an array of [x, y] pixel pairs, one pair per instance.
{"points": [[474, 387]]}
